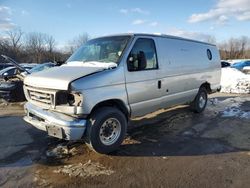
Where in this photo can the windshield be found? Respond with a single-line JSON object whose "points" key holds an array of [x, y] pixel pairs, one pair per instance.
{"points": [[105, 50]]}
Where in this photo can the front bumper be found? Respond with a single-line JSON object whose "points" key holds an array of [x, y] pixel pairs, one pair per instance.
{"points": [[55, 124]]}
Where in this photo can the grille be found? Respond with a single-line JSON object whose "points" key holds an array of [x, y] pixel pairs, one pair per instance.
{"points": [[41, 96]]}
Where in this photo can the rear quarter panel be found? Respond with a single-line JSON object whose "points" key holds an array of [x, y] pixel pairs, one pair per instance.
{"points": [[184, 66]]}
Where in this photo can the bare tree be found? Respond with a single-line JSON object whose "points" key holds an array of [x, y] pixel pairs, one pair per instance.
{"points": [[211, 39], [4, 43], [235, 48], [35, 45], [50, 47], [14, 41], [244, 41], [40, 46], [4, 46], [50, 43], [77, 42], [15, 37]]}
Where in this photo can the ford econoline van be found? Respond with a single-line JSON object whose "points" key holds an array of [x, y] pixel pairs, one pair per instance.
{"points": [[111, 79]]}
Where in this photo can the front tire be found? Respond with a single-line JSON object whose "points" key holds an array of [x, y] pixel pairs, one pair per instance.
{"points": [[106, 129], [200, 101]]}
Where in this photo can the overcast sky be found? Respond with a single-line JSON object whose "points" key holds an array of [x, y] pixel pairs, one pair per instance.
{"points": [[65, 19]]}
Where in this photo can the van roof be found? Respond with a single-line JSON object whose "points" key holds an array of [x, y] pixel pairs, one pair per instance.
{"points": [[159, 35]]}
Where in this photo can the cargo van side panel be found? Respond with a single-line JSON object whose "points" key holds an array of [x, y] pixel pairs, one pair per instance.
{"points": [[184, 66]]}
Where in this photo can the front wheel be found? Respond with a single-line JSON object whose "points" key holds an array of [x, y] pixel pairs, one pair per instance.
{"points": [[200, 101], [106, 129]]}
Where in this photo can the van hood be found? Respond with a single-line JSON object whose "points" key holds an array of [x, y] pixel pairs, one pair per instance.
{"points": [[59, 78]]}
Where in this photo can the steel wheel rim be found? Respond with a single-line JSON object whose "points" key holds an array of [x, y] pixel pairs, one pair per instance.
{"points": [[110, 131], [202, 100]]}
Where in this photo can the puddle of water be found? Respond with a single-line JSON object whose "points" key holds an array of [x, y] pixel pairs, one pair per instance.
{"points": [[15, 174], [25, 161]]}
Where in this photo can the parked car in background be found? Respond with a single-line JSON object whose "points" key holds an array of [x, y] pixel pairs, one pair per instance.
{"points": [[246, 70], [40, 67], [5, 65], [12, 71], [225, 64], [11, 87], [241, 65]]}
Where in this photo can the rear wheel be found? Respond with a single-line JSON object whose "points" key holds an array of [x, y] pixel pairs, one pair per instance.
{"points": [[106, 129], [200, 101]]}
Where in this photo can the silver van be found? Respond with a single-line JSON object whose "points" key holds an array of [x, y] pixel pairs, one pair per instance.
{"points": [[111, 79]]}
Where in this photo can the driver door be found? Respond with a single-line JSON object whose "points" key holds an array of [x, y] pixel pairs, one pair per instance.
{"points": [[143, 87]]}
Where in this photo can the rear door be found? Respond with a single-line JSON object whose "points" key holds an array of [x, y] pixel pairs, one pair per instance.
{"points": [[143, 87]]}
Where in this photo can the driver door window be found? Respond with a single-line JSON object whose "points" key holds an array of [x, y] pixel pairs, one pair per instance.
{"points": [[142, 56]]}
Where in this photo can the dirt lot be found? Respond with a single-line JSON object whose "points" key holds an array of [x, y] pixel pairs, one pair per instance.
{"points": [[169, 148]]}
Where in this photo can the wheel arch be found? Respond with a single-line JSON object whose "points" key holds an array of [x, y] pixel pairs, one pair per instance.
{"points": [[207, 86], [113, 103]]}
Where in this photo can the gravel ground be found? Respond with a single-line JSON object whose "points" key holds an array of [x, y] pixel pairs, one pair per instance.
{"points": [[168, 148]]}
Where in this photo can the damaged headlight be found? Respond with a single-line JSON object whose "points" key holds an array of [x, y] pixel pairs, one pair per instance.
{"points": [[71, 99]]}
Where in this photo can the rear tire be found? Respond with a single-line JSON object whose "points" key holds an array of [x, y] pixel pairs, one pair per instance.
{"points": [[106, 129], [200, 101]]}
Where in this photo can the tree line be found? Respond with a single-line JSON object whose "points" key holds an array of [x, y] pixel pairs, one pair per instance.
{"points": [[36, 47], [235, 48]]}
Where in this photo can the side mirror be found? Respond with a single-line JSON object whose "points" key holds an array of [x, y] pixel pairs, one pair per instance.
{"points": [[131, 63], [142, 61], [137, 61]]}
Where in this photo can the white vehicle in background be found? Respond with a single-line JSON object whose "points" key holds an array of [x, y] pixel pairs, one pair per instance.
{"points": [[112, 79]]}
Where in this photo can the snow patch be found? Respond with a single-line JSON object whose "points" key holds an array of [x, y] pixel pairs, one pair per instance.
{"points": [[103, 65], [89, 169], [230, 107], [235, 112], [234, 81]]}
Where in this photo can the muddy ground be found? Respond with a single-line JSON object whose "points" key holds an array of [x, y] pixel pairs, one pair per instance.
{"points": [[169, 148]]}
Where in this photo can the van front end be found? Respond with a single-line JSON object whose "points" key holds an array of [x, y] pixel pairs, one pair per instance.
{"points": [[85, 98], [55, 112], [55, 124]]}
